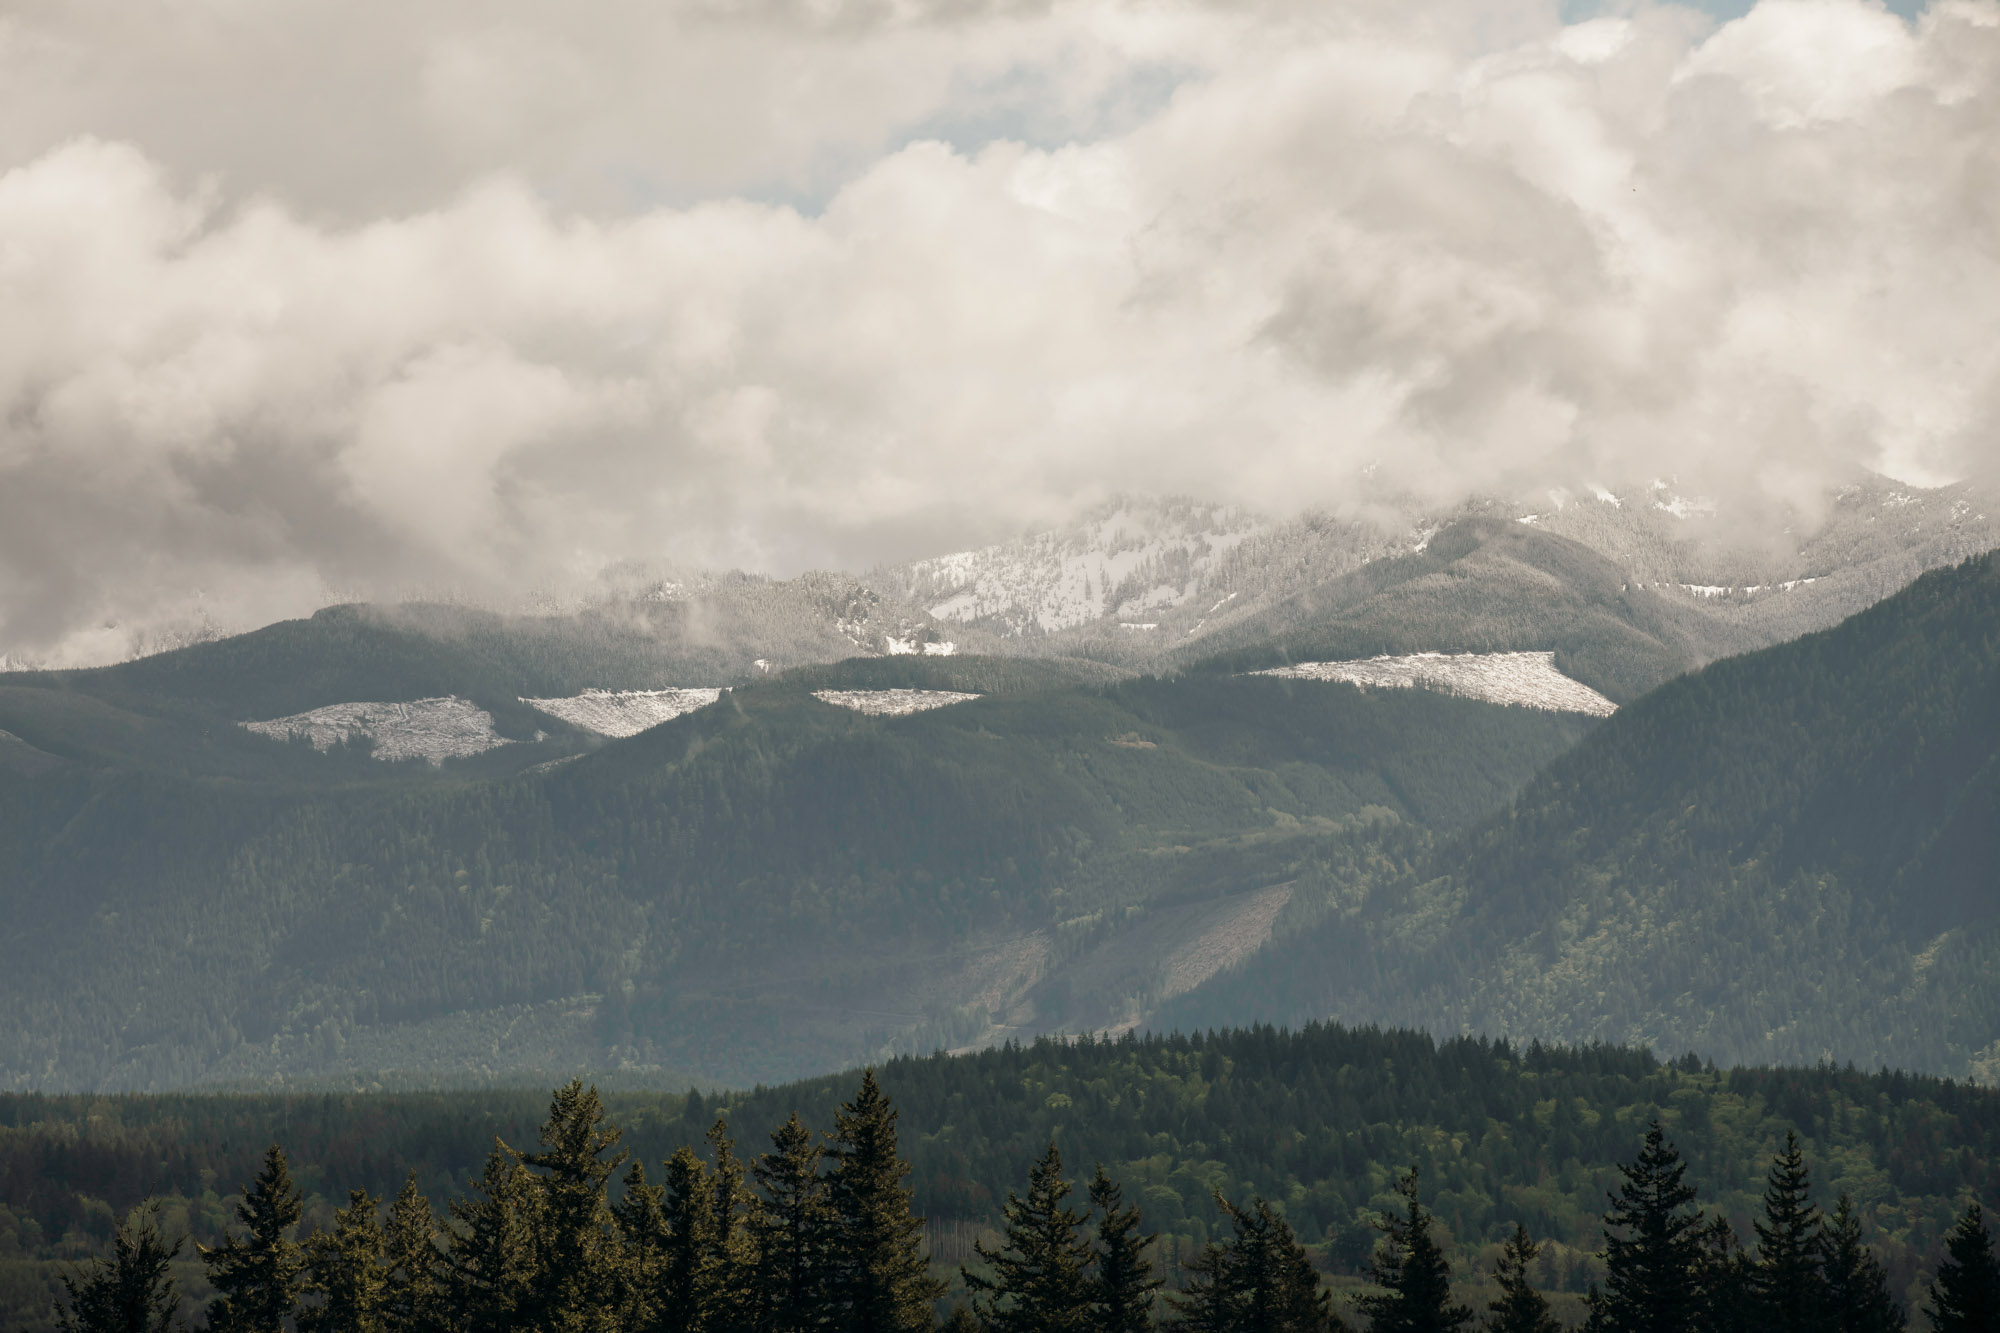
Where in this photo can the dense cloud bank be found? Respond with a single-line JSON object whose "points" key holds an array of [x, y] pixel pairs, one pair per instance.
{"points": [[365, 296]]}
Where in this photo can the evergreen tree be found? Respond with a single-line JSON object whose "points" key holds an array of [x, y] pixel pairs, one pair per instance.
{"points": [[1857, 1290], [490, 1250], [680, 1297], [1413, 1273], [1727, 1297], [1653, 1252], [791, 1231], [1041, 1274], [576, 1260], [345, 1271], [257, 1277], [410, 1262], [1123, 1299], [732, 1252], [1261, 1280], [640, 1217], [1965, 1295], [1520, 1307], [960, 1320], [879, 1279], [1789, 1291], [131, 1291]]}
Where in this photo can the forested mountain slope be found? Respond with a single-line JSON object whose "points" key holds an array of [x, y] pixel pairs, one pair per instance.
{"points": [[1485, 585], [769, 885], [1792, 855]]}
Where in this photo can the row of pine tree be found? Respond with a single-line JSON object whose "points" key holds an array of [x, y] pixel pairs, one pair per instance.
{"points": [[818, 1236]]}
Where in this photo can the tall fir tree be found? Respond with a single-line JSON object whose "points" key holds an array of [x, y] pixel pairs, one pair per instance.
{"points": [[490, 1251], [1520, 1307], [1786, 1282], [1260, 1280], [1413, 1273], [880, 1282], [1122, 1295], [131, 1290], [1857, 1289], [410, 1262], [1728, 1297], [576, 1260], [792, 1232], [1653, 1250], [733, 1257], [682, 1291], [1040, 1279], [257, 1276], [639, 1213], [1964, 1297], [345, 1274]]}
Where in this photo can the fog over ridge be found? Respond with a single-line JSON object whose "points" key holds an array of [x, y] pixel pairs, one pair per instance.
{"points": [[492, 298]]}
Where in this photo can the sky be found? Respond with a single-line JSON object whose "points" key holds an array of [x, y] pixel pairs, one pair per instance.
{"points": [[312, 299]]}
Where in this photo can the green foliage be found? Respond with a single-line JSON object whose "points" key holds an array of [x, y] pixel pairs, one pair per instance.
{"points": [[490, 1248], [1654, 1259], [1519, 1307], [1413, 1273], [1317, 1122], [1039, 1279], [345, 1275], [134, 1290], [574, 1259], [877, 1275], [1965, 1295], [1857, 1290], [1258, 1280], [1787, 1284], [258, 1276], [792, 1231], [410, 1263], [1122, 1301]]}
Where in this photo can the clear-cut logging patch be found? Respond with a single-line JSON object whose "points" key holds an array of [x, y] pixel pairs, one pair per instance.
{"points": [[621, 713], [1529, 680], [891, 702], [429, 729]]}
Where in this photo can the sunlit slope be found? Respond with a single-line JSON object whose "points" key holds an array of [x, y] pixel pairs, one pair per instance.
{"points": [[1790, 855], [733, 892]]}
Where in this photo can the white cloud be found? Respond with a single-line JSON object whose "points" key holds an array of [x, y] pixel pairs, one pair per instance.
{"points": [[487, 297]]}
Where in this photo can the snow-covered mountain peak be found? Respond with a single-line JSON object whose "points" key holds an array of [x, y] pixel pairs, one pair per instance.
{"points": [[1128, 558]]}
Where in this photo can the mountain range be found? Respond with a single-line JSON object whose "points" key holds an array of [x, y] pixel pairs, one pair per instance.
{"points": [[725, 828]]}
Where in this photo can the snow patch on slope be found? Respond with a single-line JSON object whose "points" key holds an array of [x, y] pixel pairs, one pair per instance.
{"points": [[891, 703], [1526, 679], [430, 729], [622, 713]]}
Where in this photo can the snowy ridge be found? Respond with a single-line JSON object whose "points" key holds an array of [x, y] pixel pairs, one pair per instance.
{"points": [[1123, 559], [430, 729], [891, 703], [622, 713], [1529, 680]]}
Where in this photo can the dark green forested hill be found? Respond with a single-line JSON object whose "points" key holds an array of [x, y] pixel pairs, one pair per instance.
{"points": [[1317, 1121], [1789, 855], [768, 885]]}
